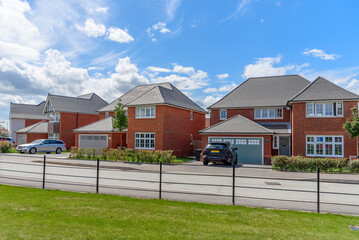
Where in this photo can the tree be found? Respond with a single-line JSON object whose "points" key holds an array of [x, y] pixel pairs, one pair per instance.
{"points": [[121, 121], [2, 127], [351, 126]]}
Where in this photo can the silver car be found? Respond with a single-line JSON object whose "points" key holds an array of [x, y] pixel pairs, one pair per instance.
{"points": [[42, 145]]}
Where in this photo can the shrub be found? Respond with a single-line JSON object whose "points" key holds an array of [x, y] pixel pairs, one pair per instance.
{"points": [[300, 163], [5, 147], [354, 166]]}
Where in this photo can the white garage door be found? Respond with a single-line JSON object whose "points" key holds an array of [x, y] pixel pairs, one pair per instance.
{"points": [[93, 141]]}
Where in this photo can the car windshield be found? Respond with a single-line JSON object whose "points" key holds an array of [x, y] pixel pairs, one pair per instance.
{"points": [[38, 141], [216, 145]]}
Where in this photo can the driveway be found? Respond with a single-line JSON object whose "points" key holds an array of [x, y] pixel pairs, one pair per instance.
{"points": [[255, 185]]}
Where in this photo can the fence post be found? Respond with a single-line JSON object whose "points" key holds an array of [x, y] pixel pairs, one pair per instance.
{"points": [[318, 190], [234, 184], [160, 190], [98, 174], [43, 173]]}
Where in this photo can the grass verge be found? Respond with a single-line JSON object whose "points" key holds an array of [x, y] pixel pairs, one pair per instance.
{"points": [[28, 213]]}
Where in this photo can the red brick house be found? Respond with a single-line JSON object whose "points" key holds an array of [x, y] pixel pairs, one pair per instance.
{"points": [[68, 113], [22, 116], [318, 114], [32, 132], [283, 115], [160, 117]]}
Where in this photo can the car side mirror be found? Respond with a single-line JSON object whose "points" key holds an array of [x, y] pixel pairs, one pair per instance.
{"points": [[41, 143]]}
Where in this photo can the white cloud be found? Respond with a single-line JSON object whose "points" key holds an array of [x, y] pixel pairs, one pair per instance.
{"points": [[181, 69], [241, 8], [102, 10], [92, 29], [158, 69], [320, 53], [120, 35], [278, 3], [210, 90], [171, 8], [222, 76], [209, 100], [20, 39], [265, 67], [158, 27]]}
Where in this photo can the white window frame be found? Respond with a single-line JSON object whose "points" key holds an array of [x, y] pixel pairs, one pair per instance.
{"points": [[315, 142], [314, 112], [191, 116], [267, 110], [220, 114], [141, 112], [54, 136], [139, 137], [54, 117]]}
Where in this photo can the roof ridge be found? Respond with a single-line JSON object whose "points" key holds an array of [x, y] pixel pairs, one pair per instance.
{"points": [[337, 85], [74, 97], [301, 91], [141, 95], [28, 104], [277, 76], [159, 91]]}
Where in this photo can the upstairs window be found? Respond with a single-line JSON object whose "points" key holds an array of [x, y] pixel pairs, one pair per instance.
{"points": [[223, 114], [268, 113], [191, 115], [324, 109], [54, 117], [146, 112]]}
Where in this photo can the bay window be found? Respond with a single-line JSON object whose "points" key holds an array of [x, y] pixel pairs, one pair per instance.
{"points": [[324, 146], [54, 117]]}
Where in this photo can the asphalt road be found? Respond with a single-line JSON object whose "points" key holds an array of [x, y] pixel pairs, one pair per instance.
{"points": [[257, 186]]}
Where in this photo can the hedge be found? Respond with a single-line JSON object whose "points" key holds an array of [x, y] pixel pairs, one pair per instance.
{"points": [[126, 155], [300, 163]]}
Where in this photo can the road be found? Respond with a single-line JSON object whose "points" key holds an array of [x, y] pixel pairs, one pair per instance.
{"points": [[256, 186]]}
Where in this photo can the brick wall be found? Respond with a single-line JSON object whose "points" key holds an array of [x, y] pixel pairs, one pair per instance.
{"points": [[172, 127], [248, 113], [302, 126], [29, 122], [71, 121], [30, 137], [102, 114]]}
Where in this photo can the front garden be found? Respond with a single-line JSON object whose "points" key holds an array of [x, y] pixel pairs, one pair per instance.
{"points": [[306, 164]]}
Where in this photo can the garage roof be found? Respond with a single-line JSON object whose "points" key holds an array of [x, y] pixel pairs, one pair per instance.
{"points": [[263, 92], [104, 125], [40, 127], [237, 125]]}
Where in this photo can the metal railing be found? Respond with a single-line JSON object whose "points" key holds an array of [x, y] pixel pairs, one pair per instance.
{"points": [[226, 183]]}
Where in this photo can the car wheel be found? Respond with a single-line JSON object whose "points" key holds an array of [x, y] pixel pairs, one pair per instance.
{"points": [[205, 162], [47, 152], [22, 152], [32, 150], [58, 150]]}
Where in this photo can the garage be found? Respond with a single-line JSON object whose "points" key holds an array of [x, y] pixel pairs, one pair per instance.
{"points": [[93, 141], [249, 149]]}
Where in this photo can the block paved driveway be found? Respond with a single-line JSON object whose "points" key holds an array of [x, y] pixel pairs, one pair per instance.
{"points": [[256, 186]]}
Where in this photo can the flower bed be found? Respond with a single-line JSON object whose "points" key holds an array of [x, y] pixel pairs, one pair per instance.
{"points": [[126, 155], [305, 164]]}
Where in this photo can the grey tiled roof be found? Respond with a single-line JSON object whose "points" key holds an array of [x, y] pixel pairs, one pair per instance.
{"points": [[27, 111], [161, 93], [237, 125], [322, 89], [263, 92], [82, 104], [40, 127], [278, 128], [104, 125]]}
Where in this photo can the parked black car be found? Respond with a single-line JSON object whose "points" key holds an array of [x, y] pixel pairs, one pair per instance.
{"points": [[219, 152]]}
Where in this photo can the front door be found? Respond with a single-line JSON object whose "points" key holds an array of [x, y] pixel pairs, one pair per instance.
{"points": [[284, 146]]}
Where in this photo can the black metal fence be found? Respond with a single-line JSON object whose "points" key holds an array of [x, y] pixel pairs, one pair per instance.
{"points": [[242, 184]]}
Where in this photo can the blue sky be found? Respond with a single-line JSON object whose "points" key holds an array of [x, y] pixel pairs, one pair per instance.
{"points": [[205, 48]]}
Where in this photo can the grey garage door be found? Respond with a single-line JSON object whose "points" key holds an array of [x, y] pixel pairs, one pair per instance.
{"points": [[93, 141], [249, 150]]}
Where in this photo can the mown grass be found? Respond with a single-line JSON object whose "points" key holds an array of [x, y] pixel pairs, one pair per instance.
{"points": [[27, 213]]}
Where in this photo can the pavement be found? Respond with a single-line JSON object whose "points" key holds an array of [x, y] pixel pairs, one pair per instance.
{"points": [[255, 186]]}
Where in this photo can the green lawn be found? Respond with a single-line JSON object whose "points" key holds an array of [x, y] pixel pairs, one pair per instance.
{"points": [[182, 159], [27, 213]]}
